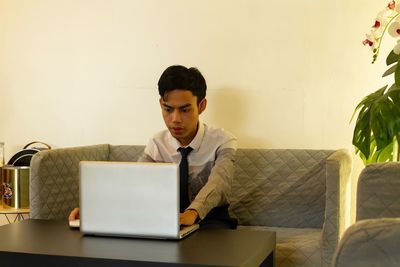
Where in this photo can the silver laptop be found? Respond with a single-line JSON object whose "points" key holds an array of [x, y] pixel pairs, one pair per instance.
{"points": [[132, 199]]}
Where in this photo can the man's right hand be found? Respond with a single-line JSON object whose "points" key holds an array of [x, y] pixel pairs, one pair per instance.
{"points": [[188, 217], [74, 215]]}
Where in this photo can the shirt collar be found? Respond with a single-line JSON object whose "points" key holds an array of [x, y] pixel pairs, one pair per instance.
{"points": [[195, 144]]}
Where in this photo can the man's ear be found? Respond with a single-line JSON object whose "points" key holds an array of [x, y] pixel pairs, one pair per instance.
{"points": [[202, 105], [161, 101]]}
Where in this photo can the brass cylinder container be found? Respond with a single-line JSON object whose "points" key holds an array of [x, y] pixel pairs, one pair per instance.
{"points": [[15, 187]]}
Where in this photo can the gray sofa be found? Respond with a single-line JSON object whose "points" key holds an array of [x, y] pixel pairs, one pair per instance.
{"points": [[300, 194], [374, 239]]}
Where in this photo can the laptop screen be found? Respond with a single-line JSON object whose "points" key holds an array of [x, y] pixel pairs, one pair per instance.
{"points": [[129, 199]]}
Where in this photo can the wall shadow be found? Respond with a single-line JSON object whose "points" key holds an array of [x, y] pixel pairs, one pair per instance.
{"points": [[231, 109]]}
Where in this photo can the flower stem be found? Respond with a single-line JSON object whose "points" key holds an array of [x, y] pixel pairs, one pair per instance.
{"points": [[383, 33]]}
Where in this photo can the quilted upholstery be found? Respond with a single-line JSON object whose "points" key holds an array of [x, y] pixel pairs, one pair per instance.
{"points": [[296, 192], [125, 153], [369, 243], [54, 179], [295, 246], [374, 239], [378, 191], [337, 165], [283, 188], [294, 189]]}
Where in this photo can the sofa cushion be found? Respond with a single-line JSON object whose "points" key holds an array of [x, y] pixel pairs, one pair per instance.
{"points": [[295, 246], [276, 187]]}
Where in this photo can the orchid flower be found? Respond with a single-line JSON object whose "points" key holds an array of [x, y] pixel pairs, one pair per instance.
{"points": [[394, 28], [386, 20]]}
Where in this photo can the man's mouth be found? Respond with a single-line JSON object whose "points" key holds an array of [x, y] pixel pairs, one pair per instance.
{"points": [[177, 130]]}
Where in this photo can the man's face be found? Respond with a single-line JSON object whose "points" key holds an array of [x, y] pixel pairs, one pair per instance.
{"points": [[181, 114]]}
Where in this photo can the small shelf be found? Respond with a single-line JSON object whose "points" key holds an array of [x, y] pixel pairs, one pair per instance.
{"points": [[19, 212]]}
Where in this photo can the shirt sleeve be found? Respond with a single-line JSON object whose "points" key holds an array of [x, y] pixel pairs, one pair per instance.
{"points": [[217, 190], [148, 152], [145, 158]]}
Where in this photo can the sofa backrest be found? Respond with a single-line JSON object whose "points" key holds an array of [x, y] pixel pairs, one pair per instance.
{"points": [[125, 153], [378, 191], [280, 188], [272, 187], [54, 179]]}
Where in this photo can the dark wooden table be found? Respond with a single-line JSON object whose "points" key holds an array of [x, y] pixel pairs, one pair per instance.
{"points": [[53, 243]]}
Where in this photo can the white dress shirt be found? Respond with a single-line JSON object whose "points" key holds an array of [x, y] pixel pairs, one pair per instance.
{"points": [[210, 164]]}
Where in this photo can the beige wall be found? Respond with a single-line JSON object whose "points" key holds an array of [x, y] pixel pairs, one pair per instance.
{"points": [[281, 74]]}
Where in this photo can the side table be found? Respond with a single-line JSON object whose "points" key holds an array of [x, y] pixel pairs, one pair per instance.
{"points": [[18, 212]]}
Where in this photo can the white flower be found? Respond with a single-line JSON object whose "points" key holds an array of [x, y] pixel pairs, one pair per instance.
{"points": [[387, 19], [394, 29], [379, 26], [370, 41], [382, 21]]}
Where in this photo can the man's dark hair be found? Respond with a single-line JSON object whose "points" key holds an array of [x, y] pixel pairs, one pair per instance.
{"points": [[180, 77]]}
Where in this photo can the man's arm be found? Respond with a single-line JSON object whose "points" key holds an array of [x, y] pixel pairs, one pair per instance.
{"points": [[216, 191], [145, 158], [188, 217]]}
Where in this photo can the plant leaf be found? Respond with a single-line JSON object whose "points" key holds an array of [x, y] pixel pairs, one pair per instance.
{"points": [[378, 124], [380, 121], [362, 131], [390, 70], [397, 77], [382, 155], [368, 99], [392, 58], [369, 123]]}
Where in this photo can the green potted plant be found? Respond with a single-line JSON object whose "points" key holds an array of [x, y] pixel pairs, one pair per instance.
{"points": [[377, 130]]}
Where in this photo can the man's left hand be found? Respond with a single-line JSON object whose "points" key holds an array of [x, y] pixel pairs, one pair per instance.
{"points": [[188, 217]]}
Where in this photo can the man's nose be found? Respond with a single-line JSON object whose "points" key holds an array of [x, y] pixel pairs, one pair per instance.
{"points": [[176, 116]]}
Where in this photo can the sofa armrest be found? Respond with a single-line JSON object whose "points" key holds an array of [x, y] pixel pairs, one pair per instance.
{"points": [[378, 191], [54, 187], [373, 242], [338, 169]]}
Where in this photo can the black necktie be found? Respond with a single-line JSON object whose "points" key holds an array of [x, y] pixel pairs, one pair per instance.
{"points": [[184, 177]]}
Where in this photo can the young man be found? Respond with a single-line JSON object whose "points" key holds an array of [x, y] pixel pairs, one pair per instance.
{"points": [[208, 152]]}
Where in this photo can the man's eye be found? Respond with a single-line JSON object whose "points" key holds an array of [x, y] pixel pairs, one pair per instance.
{"points": [[184, 110], [169, 110]]}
